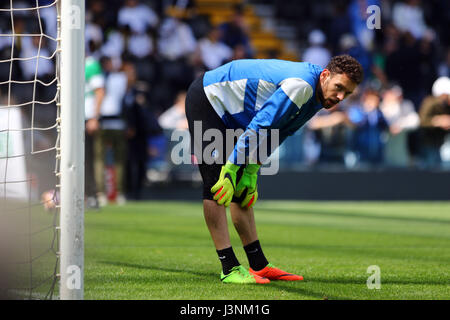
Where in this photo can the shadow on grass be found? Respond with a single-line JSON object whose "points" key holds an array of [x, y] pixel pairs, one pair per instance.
{"points": [[366, 252], [155, 231], [332, 213], [383, 281], [211, 275], [295, 287]]}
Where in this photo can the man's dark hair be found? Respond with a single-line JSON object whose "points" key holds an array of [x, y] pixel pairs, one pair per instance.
{"points": [[348, 65]]}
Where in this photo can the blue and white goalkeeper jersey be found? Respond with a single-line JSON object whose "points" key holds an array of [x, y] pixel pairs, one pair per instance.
{"points": [[262, 94]]}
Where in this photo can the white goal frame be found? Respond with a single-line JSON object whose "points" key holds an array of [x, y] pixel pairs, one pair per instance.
{"points": [[71, 20]]}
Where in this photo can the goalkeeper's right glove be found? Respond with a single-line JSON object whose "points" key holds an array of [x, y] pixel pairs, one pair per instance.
{"points": [[247, 186]]}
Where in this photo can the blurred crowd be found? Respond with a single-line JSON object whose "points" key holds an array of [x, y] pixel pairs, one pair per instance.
{"points": [[400, 116], [142, 55]]}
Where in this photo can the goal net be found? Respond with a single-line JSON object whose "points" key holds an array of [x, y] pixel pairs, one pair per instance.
{"points": [[31, 161]]}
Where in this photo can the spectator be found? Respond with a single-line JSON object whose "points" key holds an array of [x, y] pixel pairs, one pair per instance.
{"points": [[213, 52], [172, 119], [316, 53], [5, 42], [38, 64], [402, 119], [330, 128], [124, 41], [140, 45], [136, 134], [21, 43], [176, 47], [115, 44], [175, 117], [339, 25], [49, 15], [390, 42], [399, 112], [444, 66], [37, 51], [196, 64], [435, 121], [111, 137], [401, 67], [428, 63], [141, 124], [239, 52], [408, 16], [185, 5], [94, 95], [369, 124], [138, 16], [104, 13], [94, 35], [236, 31], [176, 39], [357, 14]]}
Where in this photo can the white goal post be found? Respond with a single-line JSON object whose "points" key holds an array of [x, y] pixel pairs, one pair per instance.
{"points": [[72, 55]]}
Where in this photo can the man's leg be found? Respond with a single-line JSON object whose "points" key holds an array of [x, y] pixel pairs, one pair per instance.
{"points": [[89, 173], [100, 143], [120, 152], [216, 220], [232, 271], [244, 222]]}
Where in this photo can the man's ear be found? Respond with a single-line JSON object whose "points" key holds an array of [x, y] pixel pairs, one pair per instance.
{"points": [[325, 74]]}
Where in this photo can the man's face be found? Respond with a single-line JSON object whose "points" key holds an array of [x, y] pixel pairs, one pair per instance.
{"points": [[333, 88]]}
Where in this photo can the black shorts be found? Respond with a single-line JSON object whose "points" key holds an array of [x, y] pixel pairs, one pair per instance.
{"points": [[198, 108]]}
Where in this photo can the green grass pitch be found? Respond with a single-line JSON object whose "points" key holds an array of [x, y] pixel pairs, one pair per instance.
{"points": [[162, 250]]}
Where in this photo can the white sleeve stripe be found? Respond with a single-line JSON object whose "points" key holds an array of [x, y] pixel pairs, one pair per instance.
{"points": [[227, 96], [265, 90], [298, 90]]}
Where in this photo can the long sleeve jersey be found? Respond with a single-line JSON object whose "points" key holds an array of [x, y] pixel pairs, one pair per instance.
{"points": [[262, 94]]}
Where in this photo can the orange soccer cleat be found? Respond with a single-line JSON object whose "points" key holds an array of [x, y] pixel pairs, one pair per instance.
{"points": [[273, 273]]}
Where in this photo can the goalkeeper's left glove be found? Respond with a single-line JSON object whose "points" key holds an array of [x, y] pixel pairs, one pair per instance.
{"points": [[247, 186], [224, 188]]}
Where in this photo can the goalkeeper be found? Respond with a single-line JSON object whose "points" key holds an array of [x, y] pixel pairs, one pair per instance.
{"points": [[252, 95]]}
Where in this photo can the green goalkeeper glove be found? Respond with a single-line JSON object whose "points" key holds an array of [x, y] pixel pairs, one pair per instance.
{"points": [[247, 186], [224, 188]]}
